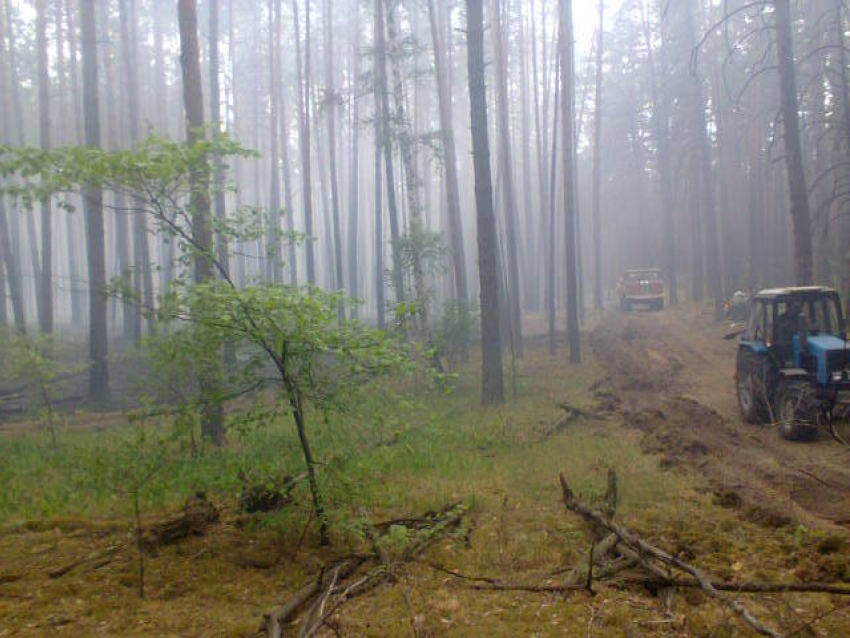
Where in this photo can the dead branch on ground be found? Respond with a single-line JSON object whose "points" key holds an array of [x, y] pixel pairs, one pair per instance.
{"points": [[343, 579], [627, 537]]}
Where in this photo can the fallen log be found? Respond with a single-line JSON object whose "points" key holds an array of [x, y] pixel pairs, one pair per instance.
{"points": [[628, 537], [193, 520]]}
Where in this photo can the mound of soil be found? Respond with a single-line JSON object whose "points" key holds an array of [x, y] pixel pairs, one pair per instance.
{"points": [[671, 376]]}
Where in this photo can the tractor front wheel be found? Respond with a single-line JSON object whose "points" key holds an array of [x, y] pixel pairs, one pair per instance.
{"points": [[796, 411]]}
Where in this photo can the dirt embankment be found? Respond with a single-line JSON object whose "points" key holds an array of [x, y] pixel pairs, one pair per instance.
{"points": [[671, 376]]}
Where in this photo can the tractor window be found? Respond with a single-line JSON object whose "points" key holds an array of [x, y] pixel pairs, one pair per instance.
{"points": [[768, 324], [786, 320], [826, 318], [755, 329]]}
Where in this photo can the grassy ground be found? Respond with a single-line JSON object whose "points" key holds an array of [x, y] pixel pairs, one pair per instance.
{"points": [[384, 462]]}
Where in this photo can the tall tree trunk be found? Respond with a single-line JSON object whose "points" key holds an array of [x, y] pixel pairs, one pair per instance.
{"points": [[404, 135], [19, 138], [71, 236], [661, 133], [93, 209], [551, 275], [274, 271], [142, 275], [378, 123], [800, 216], [122, 252], [219, 200], [9, 255], [531, 273], [455, 225], [13, 275], [353, 161], [492, 383], [567, 151], [702, 157], [506, 174], [72, 68], [303, 80], [844, 261], [330, 120], [45, 307], [598, 300], [292, 262], [213, 415], [387, 144]]}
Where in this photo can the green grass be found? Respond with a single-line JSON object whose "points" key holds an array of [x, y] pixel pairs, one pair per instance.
{"points": [[372, 453], [390, 459], [382, 455]]}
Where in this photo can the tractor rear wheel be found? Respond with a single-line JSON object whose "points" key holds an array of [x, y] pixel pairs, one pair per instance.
{"points": [[796, 411], [750, 382]]}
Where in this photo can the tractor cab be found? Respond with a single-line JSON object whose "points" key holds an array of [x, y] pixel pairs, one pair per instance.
{"points": [[793, 359]]}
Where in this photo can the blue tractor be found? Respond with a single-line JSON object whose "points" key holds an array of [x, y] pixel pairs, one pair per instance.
{"points": [[793, 363]]}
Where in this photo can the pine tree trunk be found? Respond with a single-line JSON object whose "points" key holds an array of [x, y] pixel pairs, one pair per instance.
{"points": [[353, 161], [598, 300], [492, 384], [800, 216], [303, 80], [219, 201], [292, 262], [93, 210], [660, 131], [71, 238], [142, 275], [330, 120], [506, 175], [378, 123], [273, 271], [455, 225], [387, 145], [551, 277], [404, 136], [705, 175], [212, 424], [45, 306], [567, 151]]}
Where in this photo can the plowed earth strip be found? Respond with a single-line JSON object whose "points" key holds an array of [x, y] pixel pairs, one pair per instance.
{"points": [[671, 375]]}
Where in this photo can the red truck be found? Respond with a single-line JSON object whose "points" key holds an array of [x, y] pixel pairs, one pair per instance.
{"points": [[641, 287]]}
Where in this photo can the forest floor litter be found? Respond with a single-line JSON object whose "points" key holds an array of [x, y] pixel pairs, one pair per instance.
{"points": [[462, 528]]}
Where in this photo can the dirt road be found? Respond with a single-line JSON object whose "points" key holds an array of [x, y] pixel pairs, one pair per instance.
{"points": [[671, 375]]}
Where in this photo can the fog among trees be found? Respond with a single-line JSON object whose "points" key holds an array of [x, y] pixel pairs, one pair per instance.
{"points": [[221, 214], [679, 155]]}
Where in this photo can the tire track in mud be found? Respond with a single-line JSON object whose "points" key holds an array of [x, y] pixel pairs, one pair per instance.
{"points": [[670, 376]]}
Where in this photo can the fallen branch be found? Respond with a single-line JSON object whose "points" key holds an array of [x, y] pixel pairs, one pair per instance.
{"points": [[417, 522], [836, 435], [572, 414], [318, 609], [427, 527], [555, 589], [754, 588], [637, 543], [104, 557], [273, 620]]}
